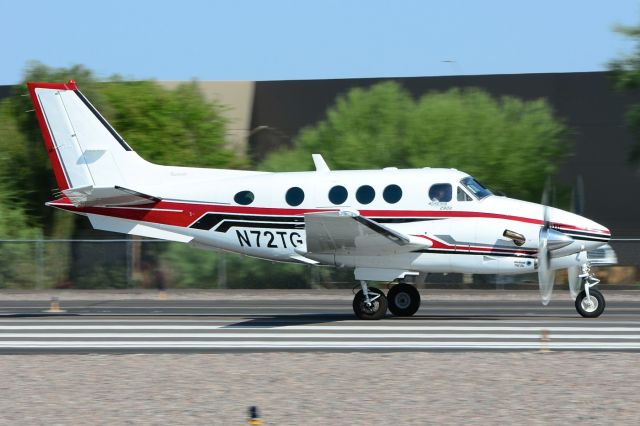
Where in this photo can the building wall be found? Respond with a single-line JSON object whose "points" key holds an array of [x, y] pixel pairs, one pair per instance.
{"points": [[236, 98]]}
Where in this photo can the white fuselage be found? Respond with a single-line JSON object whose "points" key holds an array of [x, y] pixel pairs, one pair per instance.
{"points": [[465, 233]]}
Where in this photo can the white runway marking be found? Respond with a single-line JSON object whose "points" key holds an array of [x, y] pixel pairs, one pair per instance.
{"points": [[310, 345], [316, 335], [51, 335], [319, 328]]}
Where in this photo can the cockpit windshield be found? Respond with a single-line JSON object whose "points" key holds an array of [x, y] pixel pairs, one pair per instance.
{"points": [[475, 187]]}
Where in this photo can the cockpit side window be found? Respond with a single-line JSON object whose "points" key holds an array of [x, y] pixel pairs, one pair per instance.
{"points": [[475, 187], [463, 196], [440, 192]]}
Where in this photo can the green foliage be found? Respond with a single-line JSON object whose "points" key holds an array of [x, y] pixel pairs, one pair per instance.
{"points": [[16, 258], [625, 75], [189, 267], [509, 144]]}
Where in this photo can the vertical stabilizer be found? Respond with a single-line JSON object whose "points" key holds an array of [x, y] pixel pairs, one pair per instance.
{"points": [[83, 147]]}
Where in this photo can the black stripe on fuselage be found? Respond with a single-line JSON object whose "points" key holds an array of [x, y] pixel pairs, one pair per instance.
{"points": [[575, 233], [499, 254], [581, 238], [223, 222]]}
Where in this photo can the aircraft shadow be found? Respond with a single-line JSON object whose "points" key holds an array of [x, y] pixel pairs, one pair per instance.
{"points": [[275, 321]]}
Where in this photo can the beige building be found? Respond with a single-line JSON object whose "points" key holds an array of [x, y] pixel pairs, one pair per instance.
{"points": [[237, 99]]}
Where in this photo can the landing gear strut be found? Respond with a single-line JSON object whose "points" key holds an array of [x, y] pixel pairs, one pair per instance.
{"points": [[369, 303], [590, 302], [404, 300]]}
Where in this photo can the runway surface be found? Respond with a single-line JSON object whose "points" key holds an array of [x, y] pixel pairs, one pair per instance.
{"points": [[133, 326]]}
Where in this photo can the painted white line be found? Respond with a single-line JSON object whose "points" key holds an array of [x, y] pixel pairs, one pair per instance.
{"points": [[322, 335], [318, 328], [265, 344], [239, 319]]}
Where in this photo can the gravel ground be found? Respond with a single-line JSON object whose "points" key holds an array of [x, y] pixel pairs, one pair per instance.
{"points": [[322, 388]]}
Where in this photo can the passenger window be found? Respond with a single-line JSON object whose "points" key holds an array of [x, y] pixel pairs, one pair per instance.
{"points": [[365, 194], [338, 194], [294, 196], [244, 198], [463, 196], [440, 192], [392, 194]]}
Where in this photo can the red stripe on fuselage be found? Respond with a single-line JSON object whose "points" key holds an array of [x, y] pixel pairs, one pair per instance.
{"points": [[58, 170], [442, 245], [187, 213]]}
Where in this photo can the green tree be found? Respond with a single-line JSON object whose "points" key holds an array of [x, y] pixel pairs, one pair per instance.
{"points": [[510, 144], [625, 75]]}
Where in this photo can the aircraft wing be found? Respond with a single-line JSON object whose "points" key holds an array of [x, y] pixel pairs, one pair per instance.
{"points": [[89, 196], [349, 233]]}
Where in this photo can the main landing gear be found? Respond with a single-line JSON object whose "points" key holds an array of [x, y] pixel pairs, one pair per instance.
{"points": [[402, 300], [589, 302]]}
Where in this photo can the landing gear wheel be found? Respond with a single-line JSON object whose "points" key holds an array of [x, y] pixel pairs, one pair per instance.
{"points": [[376, 309], [593, 309], [403, 299]]}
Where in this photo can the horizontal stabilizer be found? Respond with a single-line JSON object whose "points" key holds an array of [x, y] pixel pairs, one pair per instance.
{"points": [[350, 233], [131, 227], [89, 196]]}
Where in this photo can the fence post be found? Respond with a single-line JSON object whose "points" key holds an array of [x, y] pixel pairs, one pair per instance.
{"points": [[222, 271], [39, 264]]}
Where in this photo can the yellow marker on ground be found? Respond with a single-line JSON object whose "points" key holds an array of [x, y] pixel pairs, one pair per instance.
{"points": [[544, 341], [54, 306], [163, 295], [254, 417]]}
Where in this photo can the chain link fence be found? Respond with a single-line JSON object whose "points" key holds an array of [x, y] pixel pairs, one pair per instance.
{"points": [[139, 263]]}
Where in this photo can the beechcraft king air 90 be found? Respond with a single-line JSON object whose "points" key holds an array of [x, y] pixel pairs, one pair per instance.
{"points": [[388, 225]]}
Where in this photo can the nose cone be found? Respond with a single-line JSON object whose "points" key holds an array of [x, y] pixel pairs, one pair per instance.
{"points": [[578, 227]]}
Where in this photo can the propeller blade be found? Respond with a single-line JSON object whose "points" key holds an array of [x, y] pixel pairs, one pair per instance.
{"points": [[578, 196], [574, 280], [546, 276]]}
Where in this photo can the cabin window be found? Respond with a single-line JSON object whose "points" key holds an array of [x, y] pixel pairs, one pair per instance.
{"points": [[244, 198], [463, 196], [365, 194], [294, 196], [338, 194], [440, 192], [392, 194], [475, 187]]}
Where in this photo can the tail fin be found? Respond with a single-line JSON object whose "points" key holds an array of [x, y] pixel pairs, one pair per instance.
{"points": [[84, 149]]}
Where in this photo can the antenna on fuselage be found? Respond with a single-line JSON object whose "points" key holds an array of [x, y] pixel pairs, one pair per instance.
{"points": [[321, 165]]}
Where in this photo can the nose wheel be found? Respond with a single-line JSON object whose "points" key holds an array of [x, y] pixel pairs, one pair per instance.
{"points": [[589, 302]]}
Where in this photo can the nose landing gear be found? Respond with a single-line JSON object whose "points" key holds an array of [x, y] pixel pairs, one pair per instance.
{"points": [[589, 302]]}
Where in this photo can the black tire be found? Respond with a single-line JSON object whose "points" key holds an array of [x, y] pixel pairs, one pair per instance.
{"points": [[403, 300], [376, 311], [582, 307]]}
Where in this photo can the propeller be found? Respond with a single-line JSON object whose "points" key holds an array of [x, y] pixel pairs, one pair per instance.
{"points": [[574, 280], [546, 276], [573, 272]]}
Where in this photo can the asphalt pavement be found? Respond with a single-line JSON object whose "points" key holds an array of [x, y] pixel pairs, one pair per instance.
{"points": [[307, 321]]}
